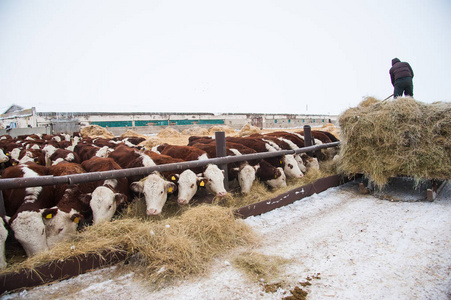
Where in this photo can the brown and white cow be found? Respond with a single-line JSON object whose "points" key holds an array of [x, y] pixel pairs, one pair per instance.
{"points": [[187, 181], [3, 157], [287, 162], [154, 187], [214, 176], [25, 206], [243, 173], [87, 151], [61, 155], [61, 221], [110, 193], [3, 237]]}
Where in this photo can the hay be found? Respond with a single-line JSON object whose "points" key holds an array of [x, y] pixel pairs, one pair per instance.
{"points": [[168, 132], [196, 130], [150, 142], [96, 131], [259, 267], [248, 130], [131, 133], [403, 137], [329, 127], [159, 250], [227, 129]]}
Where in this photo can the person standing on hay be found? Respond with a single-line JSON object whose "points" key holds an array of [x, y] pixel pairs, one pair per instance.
{"points": [[401, 75]]}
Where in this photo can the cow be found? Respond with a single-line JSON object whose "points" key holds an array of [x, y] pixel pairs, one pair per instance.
{"points": [[109, 194], [31, 155], [87, 151], [154, 187], [287, 162], [187, 181], [242, 172], [61, 221], [214, 176], [3, 237], [274, 177], [3, 157], [61, 155], [25, 206], [297, 140]]}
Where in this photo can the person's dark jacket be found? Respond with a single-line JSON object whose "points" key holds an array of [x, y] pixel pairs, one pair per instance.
{"points": [[400, 69]]}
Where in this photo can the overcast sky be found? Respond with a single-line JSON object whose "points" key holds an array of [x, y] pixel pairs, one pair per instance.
{"points": [[218, 56]]}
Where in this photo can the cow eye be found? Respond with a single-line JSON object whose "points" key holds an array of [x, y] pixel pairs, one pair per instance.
{"points": [[192, 185], [161, 192], [109, 207], [61, 229], [210, 179]]}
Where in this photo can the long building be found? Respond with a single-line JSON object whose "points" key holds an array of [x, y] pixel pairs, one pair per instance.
{"points": [[151, 122]]}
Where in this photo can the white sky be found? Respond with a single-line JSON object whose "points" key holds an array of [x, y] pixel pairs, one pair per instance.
{"points": [[218, 56]]}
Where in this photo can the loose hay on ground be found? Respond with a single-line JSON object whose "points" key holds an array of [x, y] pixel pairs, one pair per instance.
{"points": [[168, 249], [403, 137], [248, 130], [258, 266]]}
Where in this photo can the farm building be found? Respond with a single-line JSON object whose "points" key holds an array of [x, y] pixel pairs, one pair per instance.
{"points": [[148, 122]]}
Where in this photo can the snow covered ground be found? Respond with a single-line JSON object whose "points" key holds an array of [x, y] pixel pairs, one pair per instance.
{"points": [[347, 245]]}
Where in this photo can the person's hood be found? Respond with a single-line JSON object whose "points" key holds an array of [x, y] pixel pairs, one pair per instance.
{"points": [[394, 61]]}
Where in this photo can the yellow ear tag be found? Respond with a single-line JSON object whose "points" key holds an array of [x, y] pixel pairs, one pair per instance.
{"points": [[275, 176], [281, 162], [170, 190], [202, 183], [173, 178], [49, 216], [76, 220]]}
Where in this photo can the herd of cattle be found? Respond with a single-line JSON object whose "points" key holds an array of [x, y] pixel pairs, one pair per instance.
{"points": [[42, 216]]}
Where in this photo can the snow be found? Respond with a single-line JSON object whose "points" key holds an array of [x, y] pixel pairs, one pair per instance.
{"points": [[347, 245]]}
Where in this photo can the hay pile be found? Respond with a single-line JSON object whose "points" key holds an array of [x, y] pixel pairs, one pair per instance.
{"points": [[162, 250], [248, 130], [168, 132], [150, 142], [131, 133], [329, 127], [196, 130], [402, 137], [95, 131], [227, 129]]}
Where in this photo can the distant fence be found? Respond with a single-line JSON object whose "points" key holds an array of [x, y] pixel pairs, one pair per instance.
{"points": [[15, 132]]}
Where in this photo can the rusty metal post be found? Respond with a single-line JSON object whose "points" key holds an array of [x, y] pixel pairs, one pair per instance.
{"points": [[2, 205], [308, 140], [222, 152]]}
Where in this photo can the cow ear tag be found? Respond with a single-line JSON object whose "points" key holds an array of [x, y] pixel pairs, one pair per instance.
{"points": [[76, 220], [49, 216], [280, 162], [275, 176], [170, 190], [202, 183], [173, 178]]}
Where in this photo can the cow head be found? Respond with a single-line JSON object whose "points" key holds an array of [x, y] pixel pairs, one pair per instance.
{"points": [[215, 180], [155, 190], [246, 177], [60, 225], [29, 230], [3, 156], [188, 182], [300, 162], [3, 236], [291, 167], [280, 179], [103, 202]]}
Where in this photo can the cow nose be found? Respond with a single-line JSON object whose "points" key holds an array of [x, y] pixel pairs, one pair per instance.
{"points": [[182, 201], [152, 212], [222, 194]]}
